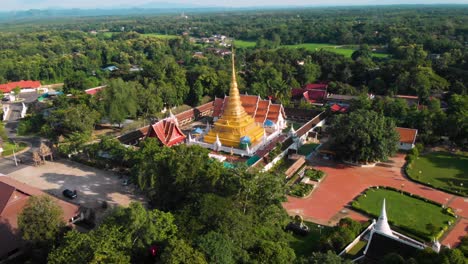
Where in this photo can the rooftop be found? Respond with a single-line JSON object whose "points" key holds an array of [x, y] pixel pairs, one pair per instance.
{"points": [[407, 135]]}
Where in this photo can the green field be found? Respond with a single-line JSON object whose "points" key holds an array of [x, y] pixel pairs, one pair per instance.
{"points": [[244, 44], [160, 36], [9, 146], [405, 211], [343, 50], [442, 170], [154, 35]]}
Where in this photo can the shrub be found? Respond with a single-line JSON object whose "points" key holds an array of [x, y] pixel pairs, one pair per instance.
{"points": [[314, 174], [301, 189]]}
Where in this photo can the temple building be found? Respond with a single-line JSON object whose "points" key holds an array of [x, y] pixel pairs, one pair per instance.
{"points": [[381, 240], [167, 131], [235, 127], [264, 112]]}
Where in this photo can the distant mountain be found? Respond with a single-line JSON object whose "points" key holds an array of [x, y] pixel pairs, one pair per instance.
{"points": [[166, 5]]}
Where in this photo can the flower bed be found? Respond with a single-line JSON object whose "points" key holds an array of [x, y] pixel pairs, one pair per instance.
{"points": [[313, 174], [301, 189]]}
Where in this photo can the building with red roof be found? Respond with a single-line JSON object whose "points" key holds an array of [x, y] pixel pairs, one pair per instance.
{"points": [[23, 85], [262, 111], [314, 93], [13, 198], [407, 137], [95, 90], [167, 131]]}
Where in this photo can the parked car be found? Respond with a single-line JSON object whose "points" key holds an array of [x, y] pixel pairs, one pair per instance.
{"points": [[70, 194]]}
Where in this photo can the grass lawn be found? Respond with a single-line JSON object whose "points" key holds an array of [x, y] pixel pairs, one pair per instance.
{"points": [[244, 44], [306, 149], [347, 50], [9, 146], [305, 245], [404, 211], [442, 170], [160, 36]]}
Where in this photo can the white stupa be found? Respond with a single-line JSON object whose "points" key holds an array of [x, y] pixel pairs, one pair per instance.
{"points": [[217, 144], [382, 225]]}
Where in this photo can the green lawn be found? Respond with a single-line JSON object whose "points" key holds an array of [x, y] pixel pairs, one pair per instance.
{"points": [[305, 245], [9, 146], [347, 50], [306, 149], [161, 36], [244, 44], [344, 50], [442, 170], [404, 211], [353, 252]]}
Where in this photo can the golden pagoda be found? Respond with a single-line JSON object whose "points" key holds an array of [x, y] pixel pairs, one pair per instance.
{"points": [[234, 125]]}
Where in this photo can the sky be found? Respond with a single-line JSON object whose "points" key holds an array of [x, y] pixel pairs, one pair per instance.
{"points": [[45, 4]]}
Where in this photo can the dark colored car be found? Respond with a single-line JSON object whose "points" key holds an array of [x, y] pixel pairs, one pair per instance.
{"points": [[69, 193]]}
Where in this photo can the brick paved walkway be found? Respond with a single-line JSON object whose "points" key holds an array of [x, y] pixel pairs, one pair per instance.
{"points": [[343, 183]]}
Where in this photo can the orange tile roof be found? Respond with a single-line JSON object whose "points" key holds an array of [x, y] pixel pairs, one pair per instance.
{"points": [[407, 135], [13, 202], [167, 131], [8, 87]]}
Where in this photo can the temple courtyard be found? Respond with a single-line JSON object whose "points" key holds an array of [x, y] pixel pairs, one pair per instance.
{"points": [[332, 198]]}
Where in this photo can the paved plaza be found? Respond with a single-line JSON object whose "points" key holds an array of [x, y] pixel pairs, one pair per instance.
{"points": [[92, 185], [343, 183]]}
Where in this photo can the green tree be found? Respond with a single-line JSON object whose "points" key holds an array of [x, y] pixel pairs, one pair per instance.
{"points": [[119, 100], [41, 220], [106, 244], [457, 120], [16, 92], [143, 227], [326, 258], [179, 252], [217, 248], [363, 136]]}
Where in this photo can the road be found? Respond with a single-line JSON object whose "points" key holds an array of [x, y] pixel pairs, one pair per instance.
{"points": [[7, 165]]}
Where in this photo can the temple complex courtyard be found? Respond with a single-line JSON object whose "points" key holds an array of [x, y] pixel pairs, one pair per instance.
{"points": [[331, 199]]}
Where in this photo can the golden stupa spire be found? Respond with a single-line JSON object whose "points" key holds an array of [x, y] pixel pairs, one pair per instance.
{"points": [[234, 107], [234, 122]]}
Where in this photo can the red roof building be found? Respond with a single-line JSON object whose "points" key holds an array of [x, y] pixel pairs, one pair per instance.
{"points": [[13, 198], [95, 90], [167, 131], [8, 87], [407, 137], [314, 93]]}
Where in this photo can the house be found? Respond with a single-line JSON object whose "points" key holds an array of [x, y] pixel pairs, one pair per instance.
{"points": [[95, 90], [13, 198], [110, 68], [25, 86], [410, 99], [407, 137]]}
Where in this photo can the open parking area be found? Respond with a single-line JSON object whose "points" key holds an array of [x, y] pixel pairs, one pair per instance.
{"points": [[92, 185]]}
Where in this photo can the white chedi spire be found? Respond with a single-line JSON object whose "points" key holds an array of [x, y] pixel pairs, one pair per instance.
{"points": [[217, 144], [292, 131], [247, 148], [173, 117], [436, 246], [207, 129], [382, 225], [189, 138]]}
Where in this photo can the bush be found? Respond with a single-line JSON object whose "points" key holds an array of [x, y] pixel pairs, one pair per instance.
{"points": [[314, 174], [301, 189]]}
